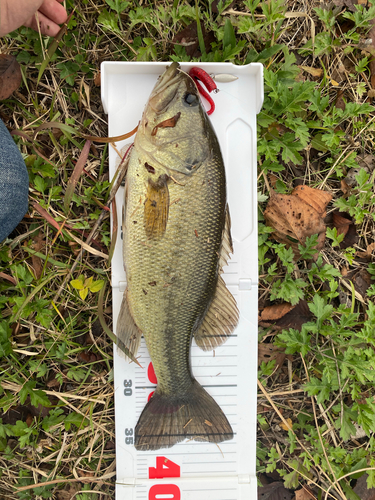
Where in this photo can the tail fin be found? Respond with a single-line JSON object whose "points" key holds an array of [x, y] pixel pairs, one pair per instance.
{"points": [[167, 420]]}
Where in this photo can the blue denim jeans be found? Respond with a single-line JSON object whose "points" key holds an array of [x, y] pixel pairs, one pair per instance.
{"points": [[14, 184]]}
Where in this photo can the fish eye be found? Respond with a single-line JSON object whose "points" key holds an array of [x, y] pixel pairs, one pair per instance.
{"points": [[191, 99]]}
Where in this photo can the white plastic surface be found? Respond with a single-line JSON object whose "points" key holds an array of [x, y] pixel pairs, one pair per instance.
{"points": [[207, 471]]}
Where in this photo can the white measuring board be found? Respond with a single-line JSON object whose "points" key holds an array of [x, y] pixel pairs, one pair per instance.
{"points": [[194, 470]]}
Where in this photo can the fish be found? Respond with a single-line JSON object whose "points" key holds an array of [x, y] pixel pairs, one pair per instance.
{"points": [[176, 240]]}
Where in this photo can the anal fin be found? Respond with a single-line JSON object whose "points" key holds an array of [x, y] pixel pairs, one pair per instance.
{"points": [[220, 320], [127, 332]]}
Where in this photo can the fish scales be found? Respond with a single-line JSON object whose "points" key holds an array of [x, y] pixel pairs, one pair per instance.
{"points": [[175, 222]]}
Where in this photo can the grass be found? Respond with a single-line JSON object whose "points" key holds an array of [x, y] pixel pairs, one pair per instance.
{"points": [[316, 400]]}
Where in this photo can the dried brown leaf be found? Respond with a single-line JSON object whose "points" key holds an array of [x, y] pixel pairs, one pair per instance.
{"points": [[351, 237], [304, 493], [345, 188], [274, 491], [97, 79], [346, 3], [294, 219], [53, 382], [275, 312], [294, 318], [350, 178], [340, 103], [8, 278], [362, 281], [287, 427], [188, 38], [361, 489], [368, 253], [10, 75], [316, 72], [344, 224], [316, 198], [269, 352], [341, 223], [77, 172]]}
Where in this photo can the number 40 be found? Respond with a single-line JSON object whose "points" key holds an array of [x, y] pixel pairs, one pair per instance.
{"points": [[164, 468]]}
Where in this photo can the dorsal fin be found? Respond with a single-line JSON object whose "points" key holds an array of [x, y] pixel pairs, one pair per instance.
{"points": [[226, 244]]}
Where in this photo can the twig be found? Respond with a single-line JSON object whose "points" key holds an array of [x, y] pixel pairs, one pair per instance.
{"points": [[62, 481]]}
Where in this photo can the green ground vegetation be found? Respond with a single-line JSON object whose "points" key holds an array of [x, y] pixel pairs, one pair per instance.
{"points": [[317, 408]]}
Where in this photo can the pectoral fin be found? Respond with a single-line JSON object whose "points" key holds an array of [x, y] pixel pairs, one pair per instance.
{"points": [[127, 332], [156, 207], [220, 319]]}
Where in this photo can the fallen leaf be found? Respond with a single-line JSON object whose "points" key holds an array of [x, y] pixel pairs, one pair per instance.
{"points": [[345, 188], [273, 180], [366, 161], [293, 317], [269, 352], [296, 216], [77, 172], [110, 445], [365, 255], [339, 102], [10, 75], [361, 489], [361, 280], [316, 72], [304, 493], [274, 491], [14, 414], [345, 299], [287, 427], [341, 223], [346, 3], [316, 198], [344, 271], [29, 420], [350, 176], [87, 357], [53, 382], [275, 312], [344, 224], [188, 38], [69, 493], [359, 432], [8, 278]]}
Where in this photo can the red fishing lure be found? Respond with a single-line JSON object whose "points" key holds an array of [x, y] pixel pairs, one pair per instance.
{"points": [[198, 74]]}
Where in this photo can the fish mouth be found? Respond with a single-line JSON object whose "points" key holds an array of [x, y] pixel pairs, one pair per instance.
{"points": [[166, 88], [167, 78]]}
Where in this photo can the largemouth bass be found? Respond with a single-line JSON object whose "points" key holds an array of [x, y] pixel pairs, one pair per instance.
{"points": [[176, 240]]}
